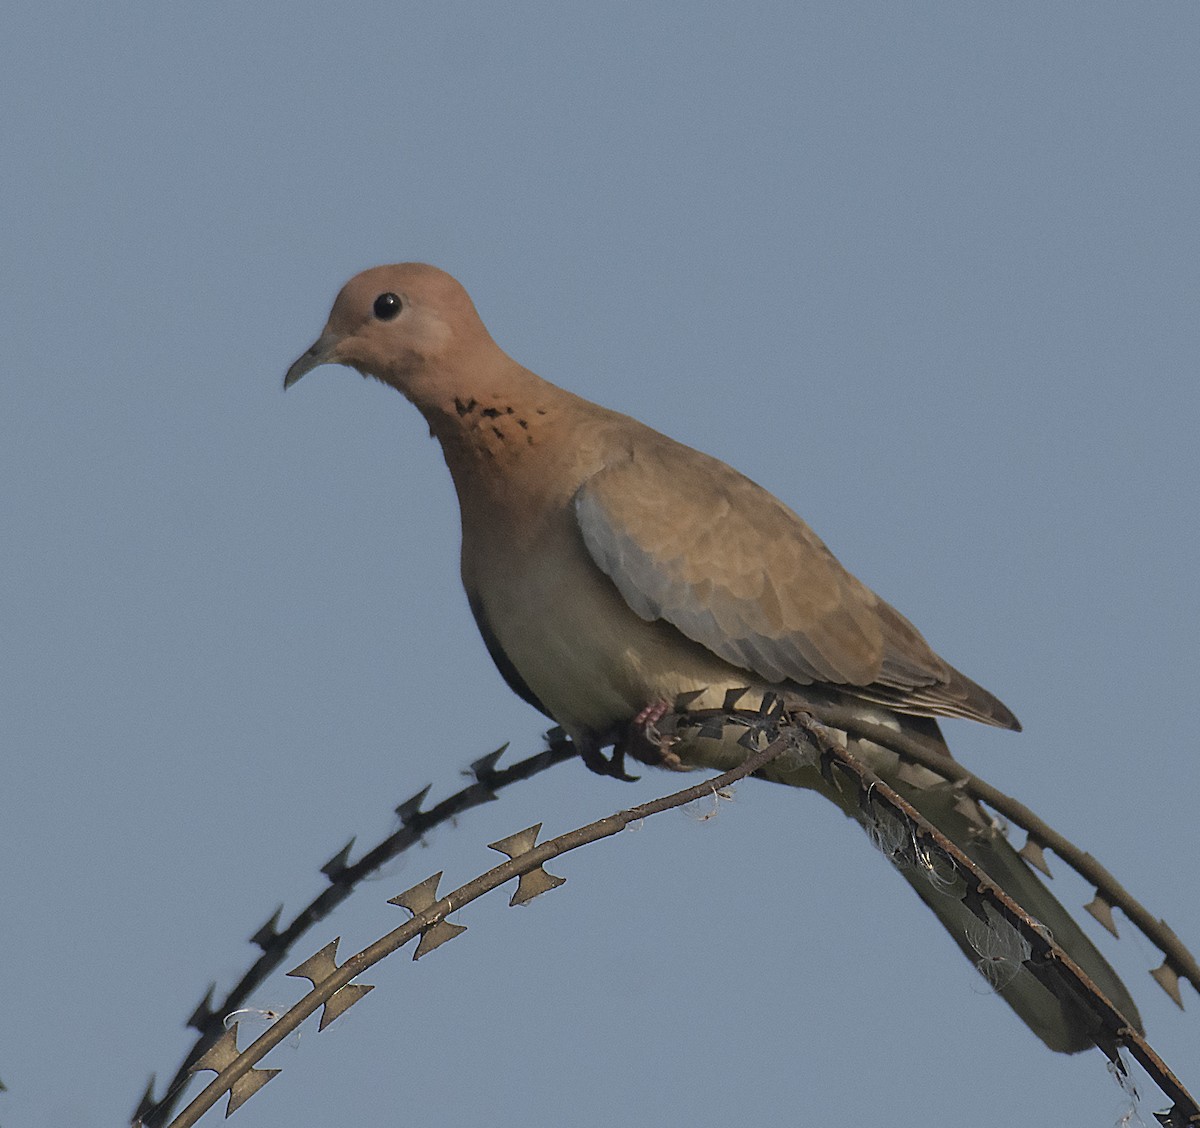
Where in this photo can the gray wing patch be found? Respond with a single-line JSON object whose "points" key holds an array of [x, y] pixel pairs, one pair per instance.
{"points": [[688, 540], [705, 613]]}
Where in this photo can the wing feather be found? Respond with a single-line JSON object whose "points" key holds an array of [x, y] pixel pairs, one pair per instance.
{"points": [[687, 539]]}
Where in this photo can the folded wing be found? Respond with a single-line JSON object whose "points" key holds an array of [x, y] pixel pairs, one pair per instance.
{"points": [[687, 539]]}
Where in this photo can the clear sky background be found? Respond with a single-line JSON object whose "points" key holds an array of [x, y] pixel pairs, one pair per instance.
{"points": [[930, 272]]}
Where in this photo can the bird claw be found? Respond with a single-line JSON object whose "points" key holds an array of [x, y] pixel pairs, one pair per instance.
{"points": [[641, 739], [645, 743], [595, 760]]}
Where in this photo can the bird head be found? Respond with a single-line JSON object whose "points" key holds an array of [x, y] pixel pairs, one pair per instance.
{"points": [[402, 324]]}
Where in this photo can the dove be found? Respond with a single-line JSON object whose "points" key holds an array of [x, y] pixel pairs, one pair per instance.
{"points": [[611, 569]]}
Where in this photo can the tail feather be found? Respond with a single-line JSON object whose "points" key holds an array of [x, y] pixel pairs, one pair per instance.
{"points": [[1061, 1023]]}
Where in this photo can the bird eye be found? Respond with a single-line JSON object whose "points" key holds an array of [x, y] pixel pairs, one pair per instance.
{"points": [[386, 306]]}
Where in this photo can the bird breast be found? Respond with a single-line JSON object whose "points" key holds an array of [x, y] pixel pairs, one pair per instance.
{"points": [[590, 660]]}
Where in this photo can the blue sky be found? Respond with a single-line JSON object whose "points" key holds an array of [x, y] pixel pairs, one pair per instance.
{"points": [[928, 272]]}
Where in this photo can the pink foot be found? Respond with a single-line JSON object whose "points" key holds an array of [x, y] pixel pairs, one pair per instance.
{"points": [[644, 742], [652, 714]]}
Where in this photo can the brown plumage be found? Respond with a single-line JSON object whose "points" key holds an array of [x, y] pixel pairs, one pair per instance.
{"points": [[611, 568]]}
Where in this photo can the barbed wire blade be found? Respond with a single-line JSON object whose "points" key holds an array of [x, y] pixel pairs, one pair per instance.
{"points": [[416, 900], [320, 965], [517, 844], [1168, 979], [436, 935], [420, 896], [536, 881], [338, 864], [146, 1103], [484, 769], [198, 1019], [222, 1053], [534, 884], [751, 739], [341, 1001], [318, 968], [732, 697], [1035, 855], [1174, 1117], [1103, 912], [245, 1087], [773, 710], [411, 807], [712, 729], [684, 701], [266, 935]]}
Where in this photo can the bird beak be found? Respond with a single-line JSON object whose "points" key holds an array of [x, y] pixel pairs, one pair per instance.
{"points": [[322, 352]]}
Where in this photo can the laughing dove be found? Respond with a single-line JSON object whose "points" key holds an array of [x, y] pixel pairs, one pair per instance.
{"points": [[611, 569]]}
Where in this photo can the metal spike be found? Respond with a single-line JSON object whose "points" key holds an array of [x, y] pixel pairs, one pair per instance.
{"points": [[245, 1087], [143, 1106], [417, 900], [223, 1051], [517, 844], [269, 931], [203, 1012], [420, 896], [336, 866], [1174, 1117], [1168, 979], [684, 701], [410, 808], [1103, 912], [320, 965], [534, 884], [483, 776], [536, 881], [1167, 928], [732, 697], [436, 935], [485, 767], [1033, 853], [749, 739], [341, 1001]]}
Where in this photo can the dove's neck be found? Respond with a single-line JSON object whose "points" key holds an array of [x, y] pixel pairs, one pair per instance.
{"points": [[510, 438]]}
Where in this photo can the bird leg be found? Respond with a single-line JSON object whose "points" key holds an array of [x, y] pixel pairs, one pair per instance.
{"points": [[595, 760], [644, 742], [640, 738]]}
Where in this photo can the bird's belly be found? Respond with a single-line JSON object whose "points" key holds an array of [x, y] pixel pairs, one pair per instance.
{"points": [[587, 657]]}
